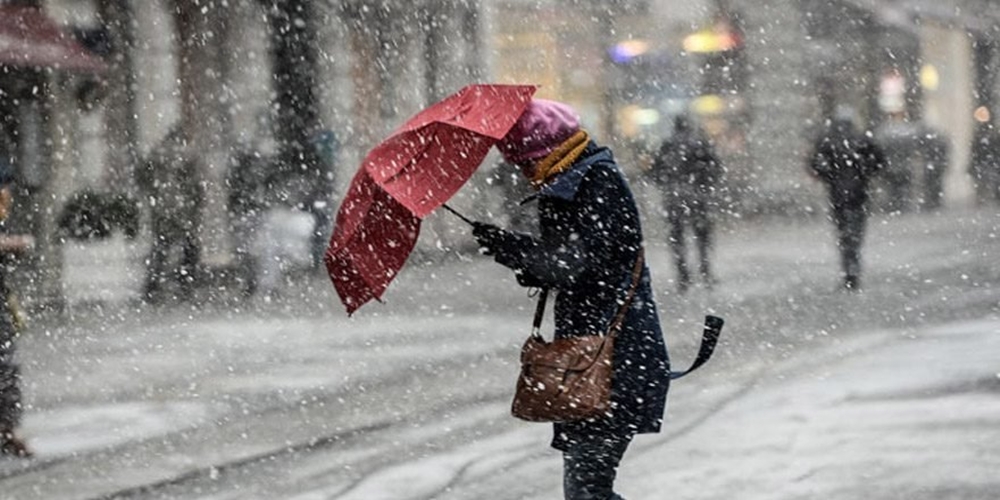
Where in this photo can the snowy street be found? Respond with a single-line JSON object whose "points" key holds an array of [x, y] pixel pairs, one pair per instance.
{"points": [[814, 393], [249, 249]]}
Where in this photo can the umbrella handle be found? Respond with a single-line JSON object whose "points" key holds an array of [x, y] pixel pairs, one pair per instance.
{"points": [[460, 216]]}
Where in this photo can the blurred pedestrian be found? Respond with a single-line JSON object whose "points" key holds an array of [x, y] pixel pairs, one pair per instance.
{"points": [[846, 159], [11, 319], [318, 202], [934, 161], [246, 182], [590, 241], [984, 164], [688, 173], [170, 178], [916, 155]]}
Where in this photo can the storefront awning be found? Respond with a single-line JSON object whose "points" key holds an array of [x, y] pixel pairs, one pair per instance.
{"points": [[29, 38]]}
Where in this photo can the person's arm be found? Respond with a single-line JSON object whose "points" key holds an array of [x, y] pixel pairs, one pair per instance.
{"points": [[658, 168], [558, 260], [714, 166], [819, 163]]}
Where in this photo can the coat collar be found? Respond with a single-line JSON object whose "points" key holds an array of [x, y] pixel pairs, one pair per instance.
{"points": [[566, 184]]}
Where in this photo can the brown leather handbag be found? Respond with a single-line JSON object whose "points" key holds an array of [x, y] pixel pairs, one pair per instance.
{"points": [[568, 378]]}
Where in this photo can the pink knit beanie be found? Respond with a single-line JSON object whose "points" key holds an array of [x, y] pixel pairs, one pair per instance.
{"points": [[542, 127]]}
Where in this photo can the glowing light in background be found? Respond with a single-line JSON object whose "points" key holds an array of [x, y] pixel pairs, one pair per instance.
{"points": [[709, 104], [627, 50], [981, 114], [710, 40], [929, 77]]}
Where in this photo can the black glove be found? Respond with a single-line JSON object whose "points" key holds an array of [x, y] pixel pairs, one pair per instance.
{"points": [[489, 237], [507, 248], [526, 280]]}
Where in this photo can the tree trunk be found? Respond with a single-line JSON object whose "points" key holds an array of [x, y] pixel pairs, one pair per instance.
{"points": [[199, 32], [435, 21], [472, 37], [120, 114], [57, 109]]}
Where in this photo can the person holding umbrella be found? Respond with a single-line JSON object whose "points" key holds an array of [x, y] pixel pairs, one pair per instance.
{"points": [[590, 241], [590, 252]]}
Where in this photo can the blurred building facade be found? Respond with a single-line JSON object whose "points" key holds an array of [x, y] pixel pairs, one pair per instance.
{"points": [[933, 62], [265, 75], [46, 74]]}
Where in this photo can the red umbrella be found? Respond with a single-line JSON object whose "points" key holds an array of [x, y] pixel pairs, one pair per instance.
{"points": [[427, 160], [403, 179]]}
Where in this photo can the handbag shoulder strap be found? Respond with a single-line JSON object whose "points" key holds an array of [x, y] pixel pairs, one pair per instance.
{"points": [[623, 310], [616, 324], [536, 324]]}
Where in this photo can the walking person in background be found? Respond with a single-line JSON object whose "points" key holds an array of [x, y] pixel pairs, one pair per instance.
{"points": [[590, 241], [688, 172], [246, 181], [846, 160], [321, 192], [934, 161], [984, 164], [11, 245], [170, 179]]}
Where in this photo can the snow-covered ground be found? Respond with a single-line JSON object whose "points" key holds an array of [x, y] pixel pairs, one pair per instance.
{"points": [[814, 393]]}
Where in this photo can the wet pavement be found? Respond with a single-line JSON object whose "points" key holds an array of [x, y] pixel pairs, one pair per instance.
{"points": [[889, 393]]}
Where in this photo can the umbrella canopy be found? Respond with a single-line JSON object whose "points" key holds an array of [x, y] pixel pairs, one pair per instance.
{"points": [[29, 38], [427, 160], [406, 177], [373, 235]]}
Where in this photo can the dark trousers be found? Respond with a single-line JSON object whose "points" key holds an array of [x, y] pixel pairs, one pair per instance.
{"points": [[244, 227], [320, 237], [167, 236], [933, 187], [695, 215], [898, 183], [590, 466], [850, 222], [10, 378]]}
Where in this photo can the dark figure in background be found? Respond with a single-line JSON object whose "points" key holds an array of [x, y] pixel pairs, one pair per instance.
{"points": [[935, 148], [11, 245], [171, 182], [916, 154], [846, 160], [984, 164], [688, 172], [589, 240], [319, 199], [246, 183]]}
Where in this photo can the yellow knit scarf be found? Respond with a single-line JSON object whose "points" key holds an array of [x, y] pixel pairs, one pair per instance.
{"points": [[560, 158]]}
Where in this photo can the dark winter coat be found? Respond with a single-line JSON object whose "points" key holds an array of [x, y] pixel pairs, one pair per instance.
{"points": [[846, 160], [589, 239], [171, 180], [687, 169]]}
